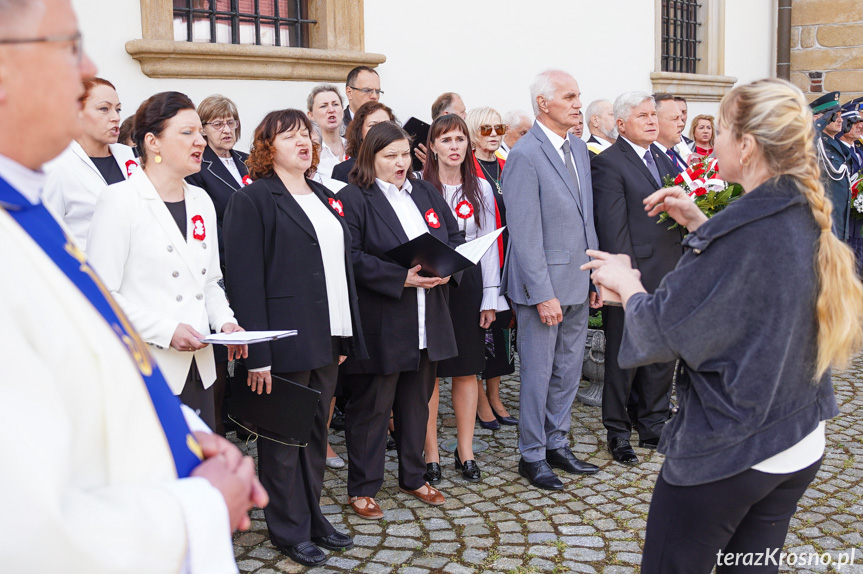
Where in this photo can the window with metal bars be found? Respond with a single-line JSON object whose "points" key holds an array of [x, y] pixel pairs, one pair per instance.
{"points": [[680, 31], [259, 22]]}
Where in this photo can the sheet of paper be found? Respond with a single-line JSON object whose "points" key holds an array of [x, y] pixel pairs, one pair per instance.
{"points": [[475, 249], [246, 337]]}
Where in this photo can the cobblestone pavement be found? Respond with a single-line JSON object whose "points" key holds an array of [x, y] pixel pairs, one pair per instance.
{"points": [[596, 524]]}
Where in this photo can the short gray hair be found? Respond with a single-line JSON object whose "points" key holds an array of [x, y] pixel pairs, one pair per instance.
{"points": [[12, 10], [545, 86], [593, 109], [515, 117], [626, 101]]}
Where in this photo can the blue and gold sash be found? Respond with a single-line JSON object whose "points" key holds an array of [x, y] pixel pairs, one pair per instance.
{"points": [[44, 230]]}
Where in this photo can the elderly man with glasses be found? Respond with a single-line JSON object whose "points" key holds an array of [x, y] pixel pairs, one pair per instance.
{"points": [[108, 473]]}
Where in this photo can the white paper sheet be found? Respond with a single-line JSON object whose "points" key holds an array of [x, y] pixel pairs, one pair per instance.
{"points": [[246, 337], [476, 248]]}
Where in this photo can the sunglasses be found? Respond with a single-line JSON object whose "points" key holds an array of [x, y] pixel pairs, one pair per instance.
{"points": [[499, 129]]}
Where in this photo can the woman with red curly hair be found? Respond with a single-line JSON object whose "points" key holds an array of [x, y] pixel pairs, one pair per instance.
{"points": [[287, 260]]}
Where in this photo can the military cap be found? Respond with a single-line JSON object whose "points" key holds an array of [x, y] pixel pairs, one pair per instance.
{"points": [[826, 103]]}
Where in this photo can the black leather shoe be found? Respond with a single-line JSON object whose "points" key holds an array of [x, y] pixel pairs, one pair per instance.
{"points": [[391, 442], [510, 421], [432, 474], [335, 541], [563, 459], [338, 420], [539, 474], [469, 469], [650, 443], [621, 451], [488, 425], [305, 553]]}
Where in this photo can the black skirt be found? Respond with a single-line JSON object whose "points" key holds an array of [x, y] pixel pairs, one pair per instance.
{"points": [[500, 346], [464, 304]]}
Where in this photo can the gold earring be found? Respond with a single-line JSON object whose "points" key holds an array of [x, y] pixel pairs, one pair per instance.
{"points": [[157, 159]]}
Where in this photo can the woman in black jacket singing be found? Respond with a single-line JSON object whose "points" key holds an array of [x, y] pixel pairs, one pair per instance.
{"points": [[288, 267], [764, 301], [406, 320]]}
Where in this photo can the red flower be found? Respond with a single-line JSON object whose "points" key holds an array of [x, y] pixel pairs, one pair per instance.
{"points": [[432, 219], [679, 179], [464, 209], [247, 180], [337, 206], [198, 230], [700, 191]]}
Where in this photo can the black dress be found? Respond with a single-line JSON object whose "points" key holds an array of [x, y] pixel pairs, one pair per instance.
{"points": [[500, 337]]}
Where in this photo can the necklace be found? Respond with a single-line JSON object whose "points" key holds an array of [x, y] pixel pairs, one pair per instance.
{"points": [[489, 177]]}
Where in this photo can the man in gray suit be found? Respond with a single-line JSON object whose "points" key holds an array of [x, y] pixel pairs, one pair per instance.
{"points": [[549, 203]]}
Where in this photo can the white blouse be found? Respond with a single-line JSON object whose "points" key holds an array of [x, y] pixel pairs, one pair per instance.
{"points": [[329, 159], [331, 240], [231, 166], [490, 262]]}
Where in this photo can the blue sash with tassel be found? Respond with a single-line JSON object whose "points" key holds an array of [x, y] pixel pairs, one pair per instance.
{"points": [[44, 230]]}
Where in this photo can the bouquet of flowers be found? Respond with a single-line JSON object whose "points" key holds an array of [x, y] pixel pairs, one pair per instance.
{"points": [[856, 196], [709, 192]]}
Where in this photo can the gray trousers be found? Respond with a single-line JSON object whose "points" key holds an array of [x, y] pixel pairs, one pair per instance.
{"points": [[551, 359]]}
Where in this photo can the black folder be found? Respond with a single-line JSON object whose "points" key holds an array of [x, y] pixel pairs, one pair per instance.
{"points": [[419, 130], [285, 415], [436, 257]]}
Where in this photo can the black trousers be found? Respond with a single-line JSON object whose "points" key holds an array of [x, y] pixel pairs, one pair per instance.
{"points": [[688, 526], [197, 398], [294, 476], [652, 384], [367, 414]]}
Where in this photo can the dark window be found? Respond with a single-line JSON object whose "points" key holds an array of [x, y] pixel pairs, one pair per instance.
{"points": [[680, 30], [260, 22]]}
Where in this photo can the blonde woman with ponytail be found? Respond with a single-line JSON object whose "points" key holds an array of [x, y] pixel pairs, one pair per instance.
{"points": [[764, 302]]}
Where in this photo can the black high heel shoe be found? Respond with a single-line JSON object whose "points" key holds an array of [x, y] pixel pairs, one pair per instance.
{"points": [[488, 425], [469, 469], [510, 421], [432, 474]]}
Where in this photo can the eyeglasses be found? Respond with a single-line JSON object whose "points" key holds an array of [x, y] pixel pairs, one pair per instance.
{"points": [[232, 124], [77, 48], [499, 129], [367, 91]]}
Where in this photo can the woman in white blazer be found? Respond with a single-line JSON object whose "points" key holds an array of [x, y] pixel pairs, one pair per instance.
{"points": [[91, 162], [153, 240]]}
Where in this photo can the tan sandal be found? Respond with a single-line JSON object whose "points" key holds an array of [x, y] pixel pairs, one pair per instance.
{"points": [[366, 507]]}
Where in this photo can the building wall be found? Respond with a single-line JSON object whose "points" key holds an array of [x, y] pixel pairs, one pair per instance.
{"points": [[486, 52], [827, 47]]}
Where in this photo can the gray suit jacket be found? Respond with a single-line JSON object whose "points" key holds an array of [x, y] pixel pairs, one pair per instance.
{"points": [[548, 230]]}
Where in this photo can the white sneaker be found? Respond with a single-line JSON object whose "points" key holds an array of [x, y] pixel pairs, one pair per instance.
{"points": [[335, 462]]}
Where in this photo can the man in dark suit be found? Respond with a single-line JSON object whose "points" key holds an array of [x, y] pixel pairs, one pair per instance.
{"points": [[362, 85], [623, 175], [547, 186], [833, 159], [669, 127]]}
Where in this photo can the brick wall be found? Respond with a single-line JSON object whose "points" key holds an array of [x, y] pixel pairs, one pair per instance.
{"points": [[827, 47]]}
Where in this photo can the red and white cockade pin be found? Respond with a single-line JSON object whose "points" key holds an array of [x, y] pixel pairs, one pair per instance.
{"points": [[464, 209], [432, 219], [198, 230], [131, 166], [337, 206], [247, 180]]}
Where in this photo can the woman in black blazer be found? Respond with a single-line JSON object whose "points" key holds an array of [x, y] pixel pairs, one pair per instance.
{"points": [[223, 171], [288, 267], [406, 319]]}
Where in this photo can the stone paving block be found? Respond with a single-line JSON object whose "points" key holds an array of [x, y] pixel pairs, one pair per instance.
{"points": [[393, 556], [455, 568], [584, 541], [249, 565]]}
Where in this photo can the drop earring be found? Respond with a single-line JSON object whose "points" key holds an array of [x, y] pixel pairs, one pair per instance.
{"points": [[157, 159]]}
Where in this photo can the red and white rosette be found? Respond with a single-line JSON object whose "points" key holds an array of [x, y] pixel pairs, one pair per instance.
{"points": [[337, 206], [464, 209], [247, 180], [198, 230], [432, 219], [131, 167]]}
